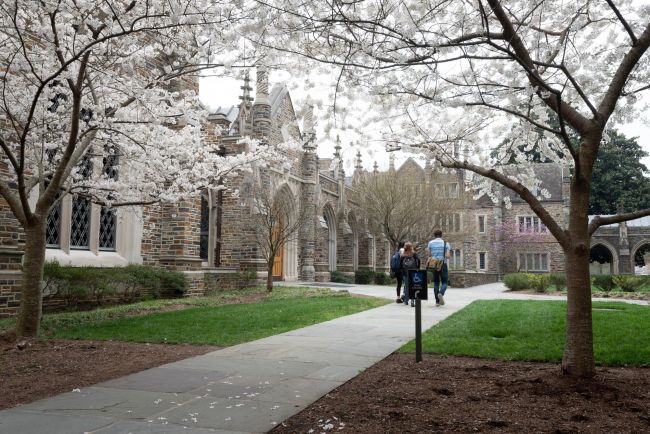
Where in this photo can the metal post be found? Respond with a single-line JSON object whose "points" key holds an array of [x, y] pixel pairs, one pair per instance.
{"points": [[418, 329]]}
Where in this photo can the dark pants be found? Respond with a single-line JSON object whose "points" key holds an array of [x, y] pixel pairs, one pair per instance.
{"points": [[400, 279], [440, 279]]}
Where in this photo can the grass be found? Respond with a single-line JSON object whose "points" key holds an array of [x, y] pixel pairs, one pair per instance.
{"points": [[210, 320], [534, 330], [57, 321]]}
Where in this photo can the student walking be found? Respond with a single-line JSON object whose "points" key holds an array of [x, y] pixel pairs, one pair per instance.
{"points": [[437, 263], [395, 269], [409, 261]]}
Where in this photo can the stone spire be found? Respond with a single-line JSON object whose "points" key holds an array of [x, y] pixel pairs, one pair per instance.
{"points": [[337, 147], [358, 165], [262, 91], [246, 88], [261, 109], [375, 167], [308, 125], [391, 162], [243, 118]]}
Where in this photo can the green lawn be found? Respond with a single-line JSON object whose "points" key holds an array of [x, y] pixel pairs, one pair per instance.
{"points": [[221, 325], [534, 330]]}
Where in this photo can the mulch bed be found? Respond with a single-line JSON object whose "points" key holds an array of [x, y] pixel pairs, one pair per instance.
{"points": [[442, 394], [33, 369], [465, 395]]}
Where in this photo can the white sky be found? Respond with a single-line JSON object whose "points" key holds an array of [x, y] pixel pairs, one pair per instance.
{"points": [[222, 91]]}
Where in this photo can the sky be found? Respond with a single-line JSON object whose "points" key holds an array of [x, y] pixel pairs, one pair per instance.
{"points": [[216, 91]]}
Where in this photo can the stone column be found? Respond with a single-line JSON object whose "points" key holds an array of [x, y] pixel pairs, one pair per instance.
{"points": [[308, 201], [624, 260]]}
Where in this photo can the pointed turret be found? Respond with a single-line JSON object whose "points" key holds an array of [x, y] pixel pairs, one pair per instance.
{"points": [[262, 108], [308, 125]]}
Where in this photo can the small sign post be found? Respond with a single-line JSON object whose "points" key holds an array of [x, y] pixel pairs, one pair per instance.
{"points": [[417, 280]]}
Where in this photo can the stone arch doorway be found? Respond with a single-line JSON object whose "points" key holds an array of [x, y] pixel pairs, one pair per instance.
{"points": [[330, 222], [352, 222], [641, 258], [285, 266], [601, 260]]}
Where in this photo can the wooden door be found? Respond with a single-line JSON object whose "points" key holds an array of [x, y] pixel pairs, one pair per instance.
{"points": [[279, 257]]}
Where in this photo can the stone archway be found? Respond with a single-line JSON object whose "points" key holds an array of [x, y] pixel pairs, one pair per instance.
{"points": [[602, 259], [641, 258], [285, 199], [352, 223], [330, 243]]}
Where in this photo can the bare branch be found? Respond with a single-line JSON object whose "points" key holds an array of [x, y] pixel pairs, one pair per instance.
{"points": [[628, 29], [599, 220]]}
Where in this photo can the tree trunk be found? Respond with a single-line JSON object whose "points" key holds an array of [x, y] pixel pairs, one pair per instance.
{"points": [[29, 317], [578, 358], [269, 277]]}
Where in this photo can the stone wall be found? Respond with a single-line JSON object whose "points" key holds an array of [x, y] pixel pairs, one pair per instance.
{"points": [[466, 279]]}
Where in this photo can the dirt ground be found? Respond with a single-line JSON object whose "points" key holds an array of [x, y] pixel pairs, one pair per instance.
{"points": [[466, 395], [439, 395], [34, 369]]}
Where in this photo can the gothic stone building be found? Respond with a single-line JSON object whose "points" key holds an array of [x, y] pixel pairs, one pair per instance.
{"points": [[205, 237]]}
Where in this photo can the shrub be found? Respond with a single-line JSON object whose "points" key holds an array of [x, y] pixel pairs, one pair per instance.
{"points": [[558, 280], [539, 282], [516, 281], [363, 277], [382, 278], [94, 286], [628, 283], [604, 282], [338, 277]]}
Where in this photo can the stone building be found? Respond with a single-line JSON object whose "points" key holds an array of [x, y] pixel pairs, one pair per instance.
{"points": [[208, 239]]}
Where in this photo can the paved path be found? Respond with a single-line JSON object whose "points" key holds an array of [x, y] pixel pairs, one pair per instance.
{"points": [[247, 388]]}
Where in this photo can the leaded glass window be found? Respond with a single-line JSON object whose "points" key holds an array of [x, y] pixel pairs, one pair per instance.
{"points": [[109, 162], [80, 224], [53, 227], [205, 229], [107, 228]]}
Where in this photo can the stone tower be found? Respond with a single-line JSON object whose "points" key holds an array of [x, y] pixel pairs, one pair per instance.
{"points": [[261, 108], [308, 199]]}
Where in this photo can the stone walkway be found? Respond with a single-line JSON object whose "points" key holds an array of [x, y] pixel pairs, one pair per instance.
{"points": [[247, 388]]}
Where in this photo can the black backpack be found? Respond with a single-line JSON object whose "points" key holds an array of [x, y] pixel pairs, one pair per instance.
{"points": [[409, 262]]}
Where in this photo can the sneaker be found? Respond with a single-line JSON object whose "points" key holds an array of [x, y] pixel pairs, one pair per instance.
{"points": [[399, 300], [441, 299], [412, 303]]}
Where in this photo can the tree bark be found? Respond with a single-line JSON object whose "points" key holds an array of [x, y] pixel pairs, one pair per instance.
{"points": [[269, 277], [29, 317], [578, 358]]}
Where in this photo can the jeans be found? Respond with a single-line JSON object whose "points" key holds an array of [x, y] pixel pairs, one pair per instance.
{"points": [[400, 278], [440, 279], [406, 288]]}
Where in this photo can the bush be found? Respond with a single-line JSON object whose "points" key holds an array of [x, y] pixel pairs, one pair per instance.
{"points": [[382, 278], [516, 281], [539, 282], [604, 282], [628, 283], [338, 277], [363, 277], [94, 286], [558, 280]]}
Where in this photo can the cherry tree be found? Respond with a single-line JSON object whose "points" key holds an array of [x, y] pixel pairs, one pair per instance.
{"points": [[87, 84], [470, 73]]}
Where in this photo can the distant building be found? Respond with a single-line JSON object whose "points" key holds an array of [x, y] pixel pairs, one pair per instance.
{"points": [[202, 237]]}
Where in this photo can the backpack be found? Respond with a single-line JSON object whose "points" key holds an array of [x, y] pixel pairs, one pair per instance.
{"points": [[394, 262], [435, 264], [409, 263]]}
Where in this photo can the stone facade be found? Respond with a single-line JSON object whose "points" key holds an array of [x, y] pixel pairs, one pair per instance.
{"points": [[208, 239]]}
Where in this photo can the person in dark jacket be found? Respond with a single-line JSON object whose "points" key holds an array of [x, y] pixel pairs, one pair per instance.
{"points": [[409, 261], [398, 272]]}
